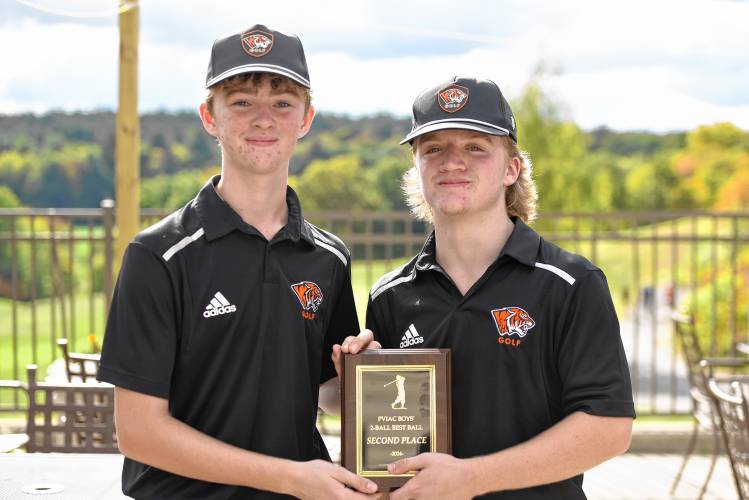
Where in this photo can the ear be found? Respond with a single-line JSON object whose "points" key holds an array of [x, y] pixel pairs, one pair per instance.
{"points": [[513, 171], [306, 122], [209, 123]]}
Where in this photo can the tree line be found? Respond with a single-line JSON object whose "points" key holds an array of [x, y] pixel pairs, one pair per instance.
{"points": [[67, 160]]}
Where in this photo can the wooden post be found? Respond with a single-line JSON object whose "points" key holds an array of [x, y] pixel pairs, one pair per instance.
{"points": [[127, 174]]}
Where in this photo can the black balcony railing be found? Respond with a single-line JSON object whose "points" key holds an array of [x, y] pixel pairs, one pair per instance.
{"points": [[57, 272]]}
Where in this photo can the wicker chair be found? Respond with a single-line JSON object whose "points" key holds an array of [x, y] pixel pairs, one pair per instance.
{"points": [[704, 410], [69, 417], [79, 367], [732, 404]]}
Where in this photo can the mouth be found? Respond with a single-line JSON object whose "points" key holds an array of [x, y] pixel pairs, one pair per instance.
{"points": [[453, 183], [261, 141]]}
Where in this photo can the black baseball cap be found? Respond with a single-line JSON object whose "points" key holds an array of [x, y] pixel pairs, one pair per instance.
{"points": [[462, 103], [258, 50]]}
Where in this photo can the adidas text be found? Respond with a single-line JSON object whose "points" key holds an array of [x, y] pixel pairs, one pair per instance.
{"points": [[218, 305], [410, 342], [220, 310], [411, 337]]}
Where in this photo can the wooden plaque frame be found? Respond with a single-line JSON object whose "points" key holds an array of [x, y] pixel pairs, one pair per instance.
{"points": [[433, 364]]}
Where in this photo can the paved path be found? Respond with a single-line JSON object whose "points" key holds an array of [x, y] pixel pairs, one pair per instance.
{"points": [[649, 477], [643, 477], [629, 477], [659, 376]]}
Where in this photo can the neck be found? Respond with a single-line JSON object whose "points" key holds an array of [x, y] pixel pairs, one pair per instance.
{"points": [[467, 245], [260, 200]]}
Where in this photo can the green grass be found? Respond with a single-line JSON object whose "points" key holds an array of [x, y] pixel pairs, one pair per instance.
{"points": [[363, 275], [35, 343]]}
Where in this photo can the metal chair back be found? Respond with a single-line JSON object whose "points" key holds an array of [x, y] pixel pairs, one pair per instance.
{"points": [[79, 367], [70, 417], [731, 397], [703, 406]]}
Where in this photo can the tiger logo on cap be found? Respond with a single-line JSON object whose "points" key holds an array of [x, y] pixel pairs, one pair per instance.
{"points": [[309, 295], [257, 43], [453, 98], [511, 320]]}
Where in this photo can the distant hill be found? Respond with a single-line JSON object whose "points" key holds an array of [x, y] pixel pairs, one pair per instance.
{"points": [[67, 160]]}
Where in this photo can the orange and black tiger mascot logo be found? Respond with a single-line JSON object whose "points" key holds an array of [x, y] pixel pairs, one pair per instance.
{"points": [[511, 320], [453, 98], [257, 43], [309, 295]]}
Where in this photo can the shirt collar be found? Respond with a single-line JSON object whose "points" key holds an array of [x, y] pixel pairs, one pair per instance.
{"points": [[522, 245], [427, 258], [219, 218]]}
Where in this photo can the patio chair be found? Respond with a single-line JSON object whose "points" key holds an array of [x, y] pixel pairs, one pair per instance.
{"points": [[10, 442], [73, 417], [79, 367], [733, 405], [704, 410]]}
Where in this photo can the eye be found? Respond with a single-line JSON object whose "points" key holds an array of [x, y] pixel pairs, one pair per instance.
{"points": [[240, 103], [283, 104], [431, 150], [475, 147]]}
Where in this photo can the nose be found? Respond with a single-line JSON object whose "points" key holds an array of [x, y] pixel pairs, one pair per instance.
{"points": [[452, 159], [263, 117]]}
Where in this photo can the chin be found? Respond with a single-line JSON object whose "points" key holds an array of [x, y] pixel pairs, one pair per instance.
{"points": [[451, 211]]}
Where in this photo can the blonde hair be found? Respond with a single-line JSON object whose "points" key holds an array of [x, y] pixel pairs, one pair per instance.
{"points": [[278, 83], [520, 198]]}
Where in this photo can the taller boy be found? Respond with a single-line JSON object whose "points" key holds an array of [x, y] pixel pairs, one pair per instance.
{"points": [[225, 311]]}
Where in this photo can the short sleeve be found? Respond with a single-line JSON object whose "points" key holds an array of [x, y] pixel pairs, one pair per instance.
{"points": [[140, 342], [376, 324], [344, 322], [591, 361]]}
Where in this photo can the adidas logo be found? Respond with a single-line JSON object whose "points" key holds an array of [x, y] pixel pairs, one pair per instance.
{"points": [[411, 337], [218, 305]]}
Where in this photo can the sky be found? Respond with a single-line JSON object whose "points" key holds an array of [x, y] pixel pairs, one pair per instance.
{"points": [[656, 65]]}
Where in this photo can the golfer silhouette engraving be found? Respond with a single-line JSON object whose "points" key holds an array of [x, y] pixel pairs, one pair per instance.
{"points": [[400, 384]]}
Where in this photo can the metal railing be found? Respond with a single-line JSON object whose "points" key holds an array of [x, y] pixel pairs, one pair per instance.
{"points": [[57, 269]]}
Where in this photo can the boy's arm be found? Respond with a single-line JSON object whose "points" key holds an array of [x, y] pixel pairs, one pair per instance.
{"points": [[572, 446], [147, 433]]}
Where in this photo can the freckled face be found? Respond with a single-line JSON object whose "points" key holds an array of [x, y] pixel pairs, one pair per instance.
{"points": [[463, 172], [257, 126]]}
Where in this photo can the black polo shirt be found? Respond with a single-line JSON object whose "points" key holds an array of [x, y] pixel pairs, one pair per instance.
{"points": [[234, 330], [534, 340]]}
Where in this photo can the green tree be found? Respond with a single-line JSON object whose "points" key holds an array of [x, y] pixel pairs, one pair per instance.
{"points": [[557, 148], [385, 175], [715, 158], [339, 183], [173, 191]]}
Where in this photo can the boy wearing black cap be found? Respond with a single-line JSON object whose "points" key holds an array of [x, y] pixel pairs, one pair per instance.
{"points": [[540, 389], [225, 311]]}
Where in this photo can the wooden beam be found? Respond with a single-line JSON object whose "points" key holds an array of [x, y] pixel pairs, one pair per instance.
{"points": [[127, 170]]}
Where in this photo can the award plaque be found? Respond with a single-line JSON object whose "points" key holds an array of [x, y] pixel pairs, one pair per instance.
{"points": [[395, 404]]}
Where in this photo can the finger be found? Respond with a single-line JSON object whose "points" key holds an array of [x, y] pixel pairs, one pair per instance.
{"points": [[362, 341], [353, 481], [355, 495], [337, 359], [408, 464], [374, 345], [404, 492], [347, 344]]}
